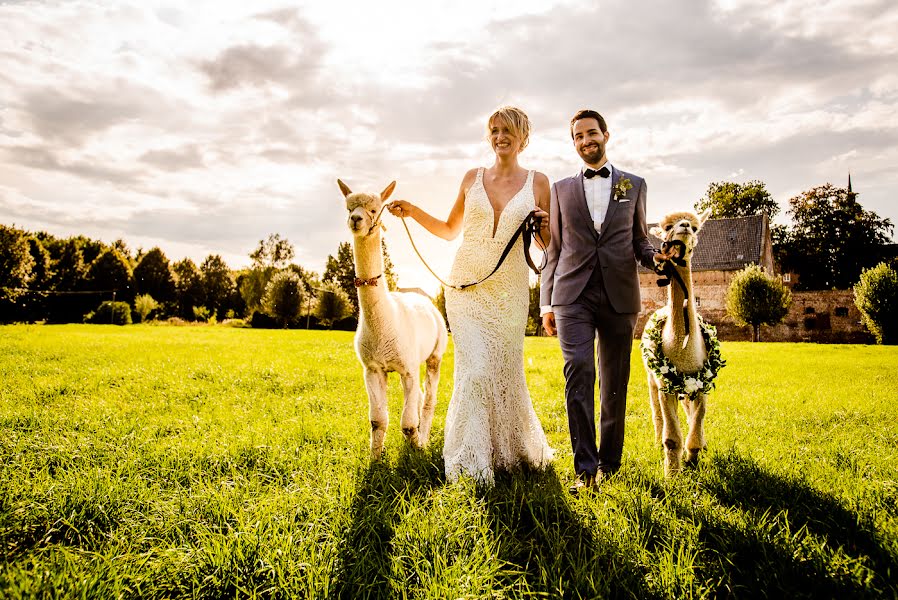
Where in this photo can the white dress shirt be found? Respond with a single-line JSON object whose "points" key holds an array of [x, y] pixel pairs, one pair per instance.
{"points": [[598, 195]]}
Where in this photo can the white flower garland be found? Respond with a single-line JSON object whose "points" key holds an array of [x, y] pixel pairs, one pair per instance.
{"points": [[672, 381]]}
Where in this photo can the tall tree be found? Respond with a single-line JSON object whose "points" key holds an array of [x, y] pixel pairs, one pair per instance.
{"points": [[340, 270], [274, 252], [727, 199], [832, 238], [188, 287], [15, 262], [217, 284], [111, 272], [283, 297], [876, 296], [153, 276]]}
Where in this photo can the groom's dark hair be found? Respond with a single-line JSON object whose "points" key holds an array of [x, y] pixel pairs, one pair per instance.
{"points": [[587, 113]]}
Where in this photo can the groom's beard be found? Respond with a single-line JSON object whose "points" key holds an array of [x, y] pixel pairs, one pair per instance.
{"points": [[593, 154]]}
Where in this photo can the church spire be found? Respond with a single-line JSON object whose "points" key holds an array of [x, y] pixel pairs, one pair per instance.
{"points": [[849, 182]]}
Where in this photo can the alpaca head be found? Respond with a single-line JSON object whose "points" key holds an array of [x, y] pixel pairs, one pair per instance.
{"points": [[681, 227], [364, 209]]}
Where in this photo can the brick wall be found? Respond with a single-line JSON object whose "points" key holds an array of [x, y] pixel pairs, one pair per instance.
{"points": [[823, 316]]}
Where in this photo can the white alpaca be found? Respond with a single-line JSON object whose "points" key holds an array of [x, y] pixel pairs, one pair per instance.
{"points": [[682, 365], [397, 331]]}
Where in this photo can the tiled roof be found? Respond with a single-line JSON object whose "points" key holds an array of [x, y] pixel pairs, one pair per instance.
{"points": [[725, 244]]}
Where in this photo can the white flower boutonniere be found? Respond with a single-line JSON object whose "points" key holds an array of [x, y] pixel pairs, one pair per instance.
{"points": [[620, 189]]}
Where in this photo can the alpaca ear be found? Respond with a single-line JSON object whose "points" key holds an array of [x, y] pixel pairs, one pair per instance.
{"points": [[344, 188], [704, 217], [657, 232], [388, 190]]}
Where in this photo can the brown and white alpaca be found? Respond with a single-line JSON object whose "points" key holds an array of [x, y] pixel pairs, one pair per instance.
{"points": [[396, 332], [682, 344]]}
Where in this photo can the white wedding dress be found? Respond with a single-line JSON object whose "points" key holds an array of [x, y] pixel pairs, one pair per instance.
{"points": [[490, 423]]}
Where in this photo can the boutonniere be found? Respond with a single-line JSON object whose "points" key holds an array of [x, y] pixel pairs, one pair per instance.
{"points": [[620, 189]]}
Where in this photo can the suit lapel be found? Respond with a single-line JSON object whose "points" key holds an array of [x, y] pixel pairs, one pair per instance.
{"points": [[612, 201], [580, 202]]}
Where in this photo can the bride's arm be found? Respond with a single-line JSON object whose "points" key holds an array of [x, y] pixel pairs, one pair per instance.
{"points": [[448, 229]]}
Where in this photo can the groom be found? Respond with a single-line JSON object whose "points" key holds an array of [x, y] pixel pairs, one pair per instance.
{"points": [[590, 288]]}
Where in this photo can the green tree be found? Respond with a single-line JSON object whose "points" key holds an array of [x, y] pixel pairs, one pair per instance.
{"points": [[333, 304], [876, 296], [274, 252], [440, 303], [727, 199], [217, 285], [110, 271], [189, 290], [755, 298], [16, 262], [153, 276], [284, 296], [340, 270], [144, 304], [534, 319], [832, 238]]}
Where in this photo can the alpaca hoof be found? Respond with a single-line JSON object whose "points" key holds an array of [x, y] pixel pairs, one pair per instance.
{"points": [[411, 434], [691, 459]]}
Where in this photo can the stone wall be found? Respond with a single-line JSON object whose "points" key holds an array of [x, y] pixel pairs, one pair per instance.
{"points": [[824, 316]]}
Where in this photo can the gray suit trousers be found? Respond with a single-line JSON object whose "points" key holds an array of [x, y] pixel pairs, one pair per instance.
{"points": [[578, 325]]}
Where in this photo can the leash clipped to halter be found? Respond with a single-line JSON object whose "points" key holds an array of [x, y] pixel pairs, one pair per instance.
{"points": [[530, 226], [669, 273]]}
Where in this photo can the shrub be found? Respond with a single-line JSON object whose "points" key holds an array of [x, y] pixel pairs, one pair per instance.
{"points": [[755, 298], [876, 296], [110, 313], [144, 304]]}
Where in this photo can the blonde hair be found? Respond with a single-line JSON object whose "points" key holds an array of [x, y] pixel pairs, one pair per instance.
{"points": [[516, 119]]}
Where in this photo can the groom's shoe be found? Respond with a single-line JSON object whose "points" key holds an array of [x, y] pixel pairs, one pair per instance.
{"points": [[583, 483]]}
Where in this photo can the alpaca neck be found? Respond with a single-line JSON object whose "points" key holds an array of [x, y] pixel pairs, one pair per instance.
{"points": [[676, 296], [369, 262]]}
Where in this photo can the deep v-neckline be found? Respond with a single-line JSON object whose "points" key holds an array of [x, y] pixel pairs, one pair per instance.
{"points": [[498, 216]]}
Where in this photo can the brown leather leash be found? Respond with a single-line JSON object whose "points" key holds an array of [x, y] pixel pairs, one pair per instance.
{"points": [[529, 227]]}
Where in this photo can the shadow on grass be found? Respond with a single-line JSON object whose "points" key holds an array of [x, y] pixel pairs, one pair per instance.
{"points": [[789, 540], [548, 549], [366, 551]]}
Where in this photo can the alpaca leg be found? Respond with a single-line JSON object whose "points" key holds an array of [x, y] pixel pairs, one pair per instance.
{"points": [[655, 403], [411, 409], [695, 439], [673, 437], [432, 379], [376, 384]]}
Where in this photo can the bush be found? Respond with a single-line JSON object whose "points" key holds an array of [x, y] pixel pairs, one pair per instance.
{"points": [[876, 296], [110, 313], [144, 304], [260, 320], [755, 298]]}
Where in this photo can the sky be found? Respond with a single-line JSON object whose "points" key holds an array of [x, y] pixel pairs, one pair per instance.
{"points": [[204, 127]]}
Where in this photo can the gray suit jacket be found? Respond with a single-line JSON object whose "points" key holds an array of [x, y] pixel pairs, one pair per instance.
{"points": [[577, 248]]}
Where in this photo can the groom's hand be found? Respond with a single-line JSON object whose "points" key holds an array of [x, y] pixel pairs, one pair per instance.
{"points": [[549, 323]]}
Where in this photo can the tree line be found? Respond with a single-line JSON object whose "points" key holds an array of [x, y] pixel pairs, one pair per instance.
{"points": [[830, 242], [71, 280]]}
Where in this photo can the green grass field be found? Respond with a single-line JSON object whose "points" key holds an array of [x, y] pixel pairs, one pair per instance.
{"points": [[212, 462]]}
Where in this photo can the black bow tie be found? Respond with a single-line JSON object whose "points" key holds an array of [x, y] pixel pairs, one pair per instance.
{"points": [[590, 173]]}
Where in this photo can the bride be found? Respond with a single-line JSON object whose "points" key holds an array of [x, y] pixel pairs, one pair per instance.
{"points": [[490, 422]]}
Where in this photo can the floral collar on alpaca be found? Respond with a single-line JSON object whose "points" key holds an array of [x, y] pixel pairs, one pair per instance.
{"points": [[620, 188], [372, 281], [673, 381]]}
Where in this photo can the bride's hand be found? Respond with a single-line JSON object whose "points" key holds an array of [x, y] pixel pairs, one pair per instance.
{"points": [[543, 217], [400, 208]]}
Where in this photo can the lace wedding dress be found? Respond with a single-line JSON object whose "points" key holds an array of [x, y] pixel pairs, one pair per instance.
{"points": [[490, 423]]}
